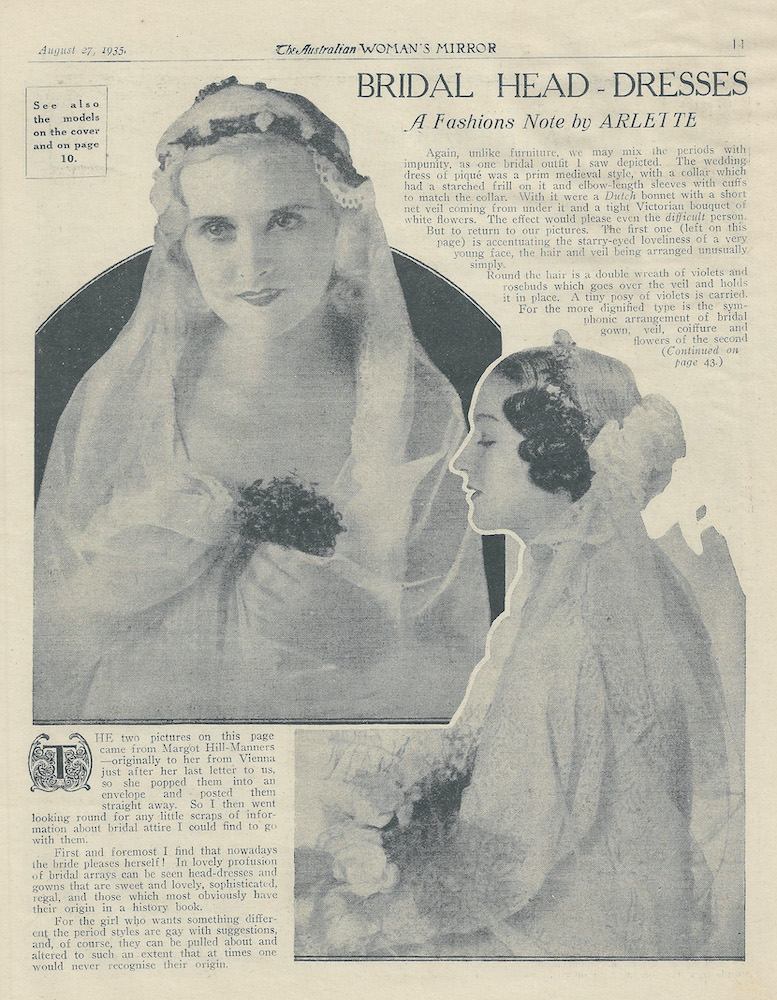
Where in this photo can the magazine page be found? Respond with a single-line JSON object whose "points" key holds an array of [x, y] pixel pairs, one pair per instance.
{"points": [[385, 529]]}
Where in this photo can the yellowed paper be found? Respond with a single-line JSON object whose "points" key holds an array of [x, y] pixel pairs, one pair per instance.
{"points": [[602, 171]]}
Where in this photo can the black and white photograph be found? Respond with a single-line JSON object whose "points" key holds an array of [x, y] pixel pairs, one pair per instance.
{"points": [[587, 801], [247, 511]]}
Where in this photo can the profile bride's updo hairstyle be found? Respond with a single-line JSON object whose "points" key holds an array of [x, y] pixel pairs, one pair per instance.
{"points": [[564, 396]]}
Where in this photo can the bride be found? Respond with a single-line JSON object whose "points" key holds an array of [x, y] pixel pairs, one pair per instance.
{"points": [[247, 511], [583, 800]]}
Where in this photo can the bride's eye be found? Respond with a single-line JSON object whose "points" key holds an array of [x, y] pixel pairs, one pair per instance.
{"points": [[218, 230], [486, 442], [285, 219]]}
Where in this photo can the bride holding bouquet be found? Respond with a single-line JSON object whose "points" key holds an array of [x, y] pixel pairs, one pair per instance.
{"points": [[247, 511]]}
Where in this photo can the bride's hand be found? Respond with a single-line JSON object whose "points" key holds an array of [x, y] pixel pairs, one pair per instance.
{"points": [[316, 605]]}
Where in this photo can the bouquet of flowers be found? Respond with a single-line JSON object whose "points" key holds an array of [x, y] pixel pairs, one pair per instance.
{"points": [[425, 820], [289, 514], [393, 815]]}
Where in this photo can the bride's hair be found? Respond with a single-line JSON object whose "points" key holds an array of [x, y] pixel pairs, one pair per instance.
{"points": [[563, 397]]}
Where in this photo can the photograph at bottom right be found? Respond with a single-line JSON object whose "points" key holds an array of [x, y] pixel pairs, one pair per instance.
{"points": [[587, 799]]}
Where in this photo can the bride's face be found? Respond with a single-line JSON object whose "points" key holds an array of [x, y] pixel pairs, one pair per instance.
{"points": [[261, 236], [500, 494]]}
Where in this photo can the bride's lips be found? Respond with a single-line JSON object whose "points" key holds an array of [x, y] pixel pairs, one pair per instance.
{"points": [[262, 298]]}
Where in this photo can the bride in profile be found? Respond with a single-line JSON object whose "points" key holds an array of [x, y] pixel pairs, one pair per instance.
{"points": [[247, 510], [582, 802]]}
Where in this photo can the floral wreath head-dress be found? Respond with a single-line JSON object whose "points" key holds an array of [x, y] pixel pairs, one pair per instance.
{"points": [[136, 615]]}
